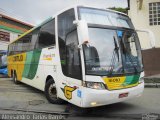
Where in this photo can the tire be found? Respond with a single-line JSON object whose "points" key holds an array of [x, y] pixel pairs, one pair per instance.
{"points": [[15, 78], [51, 92]]}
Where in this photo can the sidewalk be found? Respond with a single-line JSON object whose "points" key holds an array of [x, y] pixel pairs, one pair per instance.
{"points": [[152, 81]]}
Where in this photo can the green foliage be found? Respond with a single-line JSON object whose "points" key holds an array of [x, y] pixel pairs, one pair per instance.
{"points": [[119, 9]]}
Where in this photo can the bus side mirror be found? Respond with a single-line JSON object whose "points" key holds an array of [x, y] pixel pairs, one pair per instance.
{"points": [[83, 34], [152, 39]]}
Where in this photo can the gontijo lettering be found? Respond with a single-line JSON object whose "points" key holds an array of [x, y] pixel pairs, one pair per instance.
{"points": [[18, 58]]}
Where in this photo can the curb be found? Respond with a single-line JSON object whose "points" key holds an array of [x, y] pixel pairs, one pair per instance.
{"points": [[152, 82], [152, 85]]}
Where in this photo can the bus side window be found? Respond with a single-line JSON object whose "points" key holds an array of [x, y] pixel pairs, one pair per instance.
{"points": [[65, 23], [34, 38], [73, 64], [24, 43], [46, 35]]}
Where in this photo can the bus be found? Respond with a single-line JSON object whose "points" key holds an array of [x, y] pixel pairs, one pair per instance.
{"points": [[85, 55]]}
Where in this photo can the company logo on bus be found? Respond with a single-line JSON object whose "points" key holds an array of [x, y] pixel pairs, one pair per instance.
{"points": [[67, 90], [48, 56]]}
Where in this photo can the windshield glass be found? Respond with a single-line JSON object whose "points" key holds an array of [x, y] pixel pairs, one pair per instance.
{"points": [[103, 56], [112, 52], [104, 17], [131, 54]]}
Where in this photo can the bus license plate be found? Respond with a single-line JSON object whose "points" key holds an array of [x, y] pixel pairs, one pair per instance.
{"points": [[122, 95]]}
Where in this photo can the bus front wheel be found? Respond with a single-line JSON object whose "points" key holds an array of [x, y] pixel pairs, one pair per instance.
{"points": [[15, 78], [51, 92]]}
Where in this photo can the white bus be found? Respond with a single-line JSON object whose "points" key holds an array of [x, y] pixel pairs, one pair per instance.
{"points": [[84, 55]]}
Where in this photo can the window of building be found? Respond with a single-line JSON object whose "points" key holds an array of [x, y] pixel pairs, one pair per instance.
{"points": [[154, 13], [4, 36], [46, 35]]}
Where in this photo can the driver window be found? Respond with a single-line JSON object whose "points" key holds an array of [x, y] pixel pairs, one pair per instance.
{"points": [[73, 65], [91, 57]]}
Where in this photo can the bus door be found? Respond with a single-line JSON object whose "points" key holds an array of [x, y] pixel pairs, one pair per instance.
{"points": [[73, 71], [69, 57]]}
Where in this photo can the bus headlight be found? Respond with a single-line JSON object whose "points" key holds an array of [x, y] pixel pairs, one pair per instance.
{"points": [[95, 85]]}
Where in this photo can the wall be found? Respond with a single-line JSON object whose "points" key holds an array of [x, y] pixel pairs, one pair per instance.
{"points": [[3, 44], [140, 19], [13, 27], [151, 61]]}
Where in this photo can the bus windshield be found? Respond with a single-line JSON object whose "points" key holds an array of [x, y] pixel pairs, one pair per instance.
{"points": [[112, 53], [114, 45], [104, 17], [103, 55], [131, 51]]}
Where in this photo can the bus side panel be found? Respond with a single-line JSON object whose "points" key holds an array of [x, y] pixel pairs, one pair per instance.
{"points": [[47, 66], [16, 63], [39, 64], [31, 64]]}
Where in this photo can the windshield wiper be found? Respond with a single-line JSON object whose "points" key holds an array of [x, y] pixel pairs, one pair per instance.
{"points": [[115, 52], [116, 48]]}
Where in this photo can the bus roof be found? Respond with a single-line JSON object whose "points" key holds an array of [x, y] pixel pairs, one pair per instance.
{"points": [[73, 6]]}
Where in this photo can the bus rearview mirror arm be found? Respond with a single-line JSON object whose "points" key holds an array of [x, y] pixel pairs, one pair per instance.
{"points": [[80, 45], [152, 39], [83, 34]]}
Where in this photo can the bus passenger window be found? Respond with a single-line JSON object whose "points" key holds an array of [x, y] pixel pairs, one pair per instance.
{"points": [[47, 35], [34, 38]]}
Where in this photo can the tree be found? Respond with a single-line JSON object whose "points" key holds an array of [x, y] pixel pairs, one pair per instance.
{"points": [[119, 9]]}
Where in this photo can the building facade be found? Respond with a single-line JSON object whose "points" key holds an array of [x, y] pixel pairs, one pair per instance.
{"points": [[145, 14], [10, 29]]}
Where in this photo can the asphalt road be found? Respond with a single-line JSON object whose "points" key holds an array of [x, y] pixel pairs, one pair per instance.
{"points": [[23, 99]]}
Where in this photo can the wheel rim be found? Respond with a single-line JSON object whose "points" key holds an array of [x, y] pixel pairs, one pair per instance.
{"points": [[53, 91]]}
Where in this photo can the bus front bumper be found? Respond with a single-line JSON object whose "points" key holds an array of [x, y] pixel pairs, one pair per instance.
{"points": [[93, 98]]}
